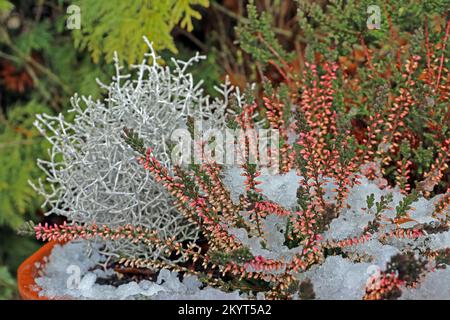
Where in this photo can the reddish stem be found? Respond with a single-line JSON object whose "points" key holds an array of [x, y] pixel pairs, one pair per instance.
{"points": [[441, 65]]}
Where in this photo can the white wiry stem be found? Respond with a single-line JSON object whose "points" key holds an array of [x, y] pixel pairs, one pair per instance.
{"points": [[92, 176]]}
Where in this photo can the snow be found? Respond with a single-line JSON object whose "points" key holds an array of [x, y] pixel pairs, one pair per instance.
{"points": [[439, 240], [435, 286], [281, 189], [334, 278], [338, 279], [277, 188], [274, 239], [234, 182], [56, 282]]}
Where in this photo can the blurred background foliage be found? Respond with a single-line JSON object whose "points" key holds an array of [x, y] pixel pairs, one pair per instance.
{"points": [[118, 25], [43, 63]]}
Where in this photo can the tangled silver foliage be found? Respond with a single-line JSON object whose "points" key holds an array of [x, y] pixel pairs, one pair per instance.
{"points": [[93, 176]]}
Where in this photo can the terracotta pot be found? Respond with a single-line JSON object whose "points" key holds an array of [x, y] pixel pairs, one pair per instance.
{"points": [[27, 272]]}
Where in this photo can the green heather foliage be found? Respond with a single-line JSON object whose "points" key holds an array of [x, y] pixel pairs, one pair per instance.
{"points": [[337, 31], [335, 28], [260, 31], [339, 24], [116, 25]]}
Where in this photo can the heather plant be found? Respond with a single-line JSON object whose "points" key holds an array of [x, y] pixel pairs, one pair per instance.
{"points": [[279, 235], [390, 78], [362, 164], [346, 26], [410, 104], [337, 30]]}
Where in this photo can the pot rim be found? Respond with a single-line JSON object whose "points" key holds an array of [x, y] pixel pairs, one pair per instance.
{"points": [[27, 272]]}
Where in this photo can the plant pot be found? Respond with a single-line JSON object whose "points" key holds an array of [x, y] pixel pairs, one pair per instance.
{"points": [[27, 272]]}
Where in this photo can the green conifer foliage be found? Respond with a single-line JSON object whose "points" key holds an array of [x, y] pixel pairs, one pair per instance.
{"points": [[21, 142], [116, 25]]}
